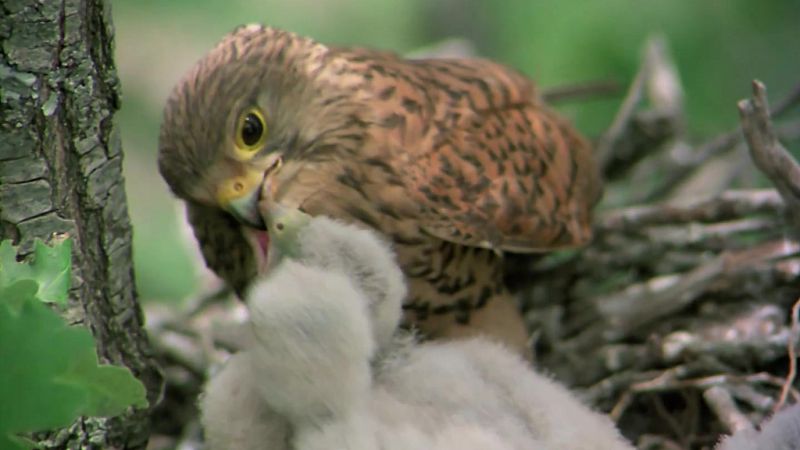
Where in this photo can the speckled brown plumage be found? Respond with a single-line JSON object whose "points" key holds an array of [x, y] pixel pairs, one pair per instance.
{"points": [[453, 160]]}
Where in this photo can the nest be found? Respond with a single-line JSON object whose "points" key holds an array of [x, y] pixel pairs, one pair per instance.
{"points": [[680, 320]]}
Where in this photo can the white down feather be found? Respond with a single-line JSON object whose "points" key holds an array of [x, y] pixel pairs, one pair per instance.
{"points": [[330, 370]]}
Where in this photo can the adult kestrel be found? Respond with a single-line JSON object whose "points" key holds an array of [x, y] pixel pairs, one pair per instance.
{"points": [[454, 160]]}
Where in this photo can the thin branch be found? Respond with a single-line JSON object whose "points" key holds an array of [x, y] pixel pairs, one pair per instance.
{"points": [[754, 334], [787, 103], [669, 420], [721, 402], [725, 206], [606, 143], [746, 393], [680, 163], [767, 152], [792, 350], [581, 91], [664, 88], [667, 381], [671, 380], [642, 303], [696, 233], [621, 406]]}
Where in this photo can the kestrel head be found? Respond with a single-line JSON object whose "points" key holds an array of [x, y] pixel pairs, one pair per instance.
{"points": [[248, 105]]}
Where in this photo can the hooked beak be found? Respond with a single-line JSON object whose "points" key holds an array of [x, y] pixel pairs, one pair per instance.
{"points": [[245, 208], [241, 195]]}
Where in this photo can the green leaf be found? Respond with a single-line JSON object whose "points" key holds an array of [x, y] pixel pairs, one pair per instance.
{"points": [[50, 373], [111, 389], [36, 347], [18, 293], [10, 270], [50, 269]]}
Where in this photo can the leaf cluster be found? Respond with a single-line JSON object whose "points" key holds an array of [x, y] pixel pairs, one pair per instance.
{"points": [[49, 370]]}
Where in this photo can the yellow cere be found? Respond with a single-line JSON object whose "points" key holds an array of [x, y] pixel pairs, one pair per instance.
{"points": [[237, 187]]}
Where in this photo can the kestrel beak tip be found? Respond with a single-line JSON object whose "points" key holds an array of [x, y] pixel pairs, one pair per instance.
{"points": [[245, 209]]}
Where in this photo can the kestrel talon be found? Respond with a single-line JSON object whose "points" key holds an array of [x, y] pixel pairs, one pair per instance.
{"points": [[455, 161]]}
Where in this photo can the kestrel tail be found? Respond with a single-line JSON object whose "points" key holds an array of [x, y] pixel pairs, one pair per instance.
{"points": [[455, 161]]}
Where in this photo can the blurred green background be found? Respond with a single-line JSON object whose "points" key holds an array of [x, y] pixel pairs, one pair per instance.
{"points": [[719, 46]]}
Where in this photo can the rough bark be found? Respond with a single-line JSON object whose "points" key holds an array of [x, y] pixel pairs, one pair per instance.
{"points": [[61, 172]]}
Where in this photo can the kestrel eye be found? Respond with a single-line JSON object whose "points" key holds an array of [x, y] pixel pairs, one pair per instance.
{"points": [[251, 131]]}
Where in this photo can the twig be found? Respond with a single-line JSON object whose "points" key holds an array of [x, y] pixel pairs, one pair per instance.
{"points": [[696, 233], [794, 335], [606, 143], [725, 206], [721, 402], [746, 393], [645, 302], [787, 103], [670, 380], [664, 89], [753, 335], [680, 161], [581, 91], [694, 415], [767, 152], [669, 420], [609, 387], [667, 381], [621, 406], [759, 254]]}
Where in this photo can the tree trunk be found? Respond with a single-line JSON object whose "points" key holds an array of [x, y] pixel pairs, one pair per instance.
{"points": [[61, 172]]}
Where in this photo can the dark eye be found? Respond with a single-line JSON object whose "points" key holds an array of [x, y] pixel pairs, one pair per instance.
{"points": [[251, 131]]}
